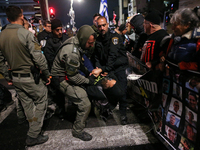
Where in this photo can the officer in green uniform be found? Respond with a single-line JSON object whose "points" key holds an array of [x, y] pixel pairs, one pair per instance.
{"points": [[20, 49], [65, 73]]}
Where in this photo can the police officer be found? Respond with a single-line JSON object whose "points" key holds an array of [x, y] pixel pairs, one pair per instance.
{"points": [[66, 76], [110, 56], [21, 50]]}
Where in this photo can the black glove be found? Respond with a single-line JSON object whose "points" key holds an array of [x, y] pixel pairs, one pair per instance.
{"points": [[91, 79]]}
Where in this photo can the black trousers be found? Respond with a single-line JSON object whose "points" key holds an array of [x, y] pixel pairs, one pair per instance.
{"points": [[122, 78]]}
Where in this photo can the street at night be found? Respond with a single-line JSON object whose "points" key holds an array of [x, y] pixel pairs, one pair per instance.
{"points": [[111, 135]]}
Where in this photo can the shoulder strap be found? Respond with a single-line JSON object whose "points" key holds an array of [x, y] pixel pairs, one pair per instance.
{"points": [[169, 46]]}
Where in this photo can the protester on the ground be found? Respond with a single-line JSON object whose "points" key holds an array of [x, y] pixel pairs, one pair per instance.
{"points": [[104, 93], [25, 61], [183, 49], [69, 81], [110, 56], [44, 35], [151, 49]]}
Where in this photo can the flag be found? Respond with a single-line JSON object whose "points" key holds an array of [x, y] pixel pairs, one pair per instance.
{"points": [[114, 16], [104, 9]]}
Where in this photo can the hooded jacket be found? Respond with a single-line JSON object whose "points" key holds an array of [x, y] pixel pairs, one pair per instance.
{"points": [[68, 60]]}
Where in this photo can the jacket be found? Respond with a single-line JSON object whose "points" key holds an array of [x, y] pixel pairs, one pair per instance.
{"points": [[68, 60], [21, 50], [51, 47], [183, 51], [110, 54]]}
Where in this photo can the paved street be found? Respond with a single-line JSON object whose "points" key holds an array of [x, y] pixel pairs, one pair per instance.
{"points": [[109, 135]]}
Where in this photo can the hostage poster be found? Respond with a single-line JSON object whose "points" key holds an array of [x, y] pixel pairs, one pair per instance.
{"points": [[172, 99]]}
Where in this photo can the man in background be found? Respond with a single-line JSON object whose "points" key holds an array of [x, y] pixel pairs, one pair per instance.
{"points": [[44, 35], [151, 49]]}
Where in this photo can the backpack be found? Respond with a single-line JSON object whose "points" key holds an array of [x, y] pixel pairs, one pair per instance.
{"points": [[5, 98]]}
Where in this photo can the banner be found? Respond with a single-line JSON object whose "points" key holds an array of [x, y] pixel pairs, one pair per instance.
{"points": [[176, 117], [103, 10]]}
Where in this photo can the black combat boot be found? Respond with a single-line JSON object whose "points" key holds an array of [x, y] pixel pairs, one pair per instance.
{"points": [[83, 136], [35, 141], [123, 120]]}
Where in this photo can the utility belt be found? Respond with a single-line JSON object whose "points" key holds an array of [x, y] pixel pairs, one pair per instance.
{"points": [[34, 71], [21, 75]]}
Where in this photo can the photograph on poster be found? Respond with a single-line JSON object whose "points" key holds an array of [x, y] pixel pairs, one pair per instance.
{"points": [[190, 117], [172, 120], [185, 144], [164, 99], [190, 132], [166, 85], [191, 84], [177, 78], [177, 91], [192, 100], [175, 106], [171, 134]]}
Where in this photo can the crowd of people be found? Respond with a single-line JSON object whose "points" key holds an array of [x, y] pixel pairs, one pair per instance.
{"points": [[89, 68]]}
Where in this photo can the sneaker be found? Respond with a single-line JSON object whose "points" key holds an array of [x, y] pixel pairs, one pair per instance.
{"points": [[123, 120], [35, 141], [83, 136]]}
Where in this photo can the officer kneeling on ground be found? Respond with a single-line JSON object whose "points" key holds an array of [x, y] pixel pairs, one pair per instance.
{"points": [[66, 76]]}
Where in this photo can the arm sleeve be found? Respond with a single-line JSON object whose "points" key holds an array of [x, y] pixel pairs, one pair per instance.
{"points": [[36, 53], [72, 67], [49, 52], [4, 67], [188, 66], [98, 51]]}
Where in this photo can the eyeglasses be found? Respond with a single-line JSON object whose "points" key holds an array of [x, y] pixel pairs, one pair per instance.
{"points": [[99, 26], [48, 26]]}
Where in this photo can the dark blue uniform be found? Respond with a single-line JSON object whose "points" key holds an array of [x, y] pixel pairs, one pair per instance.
{"points": [[110, 56]]}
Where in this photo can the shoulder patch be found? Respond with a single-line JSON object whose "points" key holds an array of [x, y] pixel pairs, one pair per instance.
{"points": [[115, 40], [75, 50]]}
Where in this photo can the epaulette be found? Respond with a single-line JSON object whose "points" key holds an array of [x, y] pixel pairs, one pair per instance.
{"points": [[196, 33], [112, 31]]}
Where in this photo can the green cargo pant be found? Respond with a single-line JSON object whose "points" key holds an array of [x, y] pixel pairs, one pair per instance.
{"points": [[33, 98], [79, 97]]}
